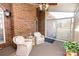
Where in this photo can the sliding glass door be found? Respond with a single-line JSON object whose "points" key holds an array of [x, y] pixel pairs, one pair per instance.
{"points": [[64, 29], [60, 29], [59, 25]]}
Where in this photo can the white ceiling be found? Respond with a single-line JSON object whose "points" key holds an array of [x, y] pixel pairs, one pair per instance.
{"points": [[63, 7]]}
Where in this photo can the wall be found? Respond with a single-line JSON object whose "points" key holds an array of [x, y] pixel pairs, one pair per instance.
{"points": [[62, 7], [21, 22], [24, 17], [8, 32], [41, 21]]}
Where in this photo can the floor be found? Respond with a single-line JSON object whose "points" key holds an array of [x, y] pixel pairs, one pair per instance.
{"points": [[45, 49], [8, 51], [48, 49]]}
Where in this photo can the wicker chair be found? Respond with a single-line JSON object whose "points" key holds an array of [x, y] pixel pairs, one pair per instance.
{"points": [[39, 38], [24, 46]]}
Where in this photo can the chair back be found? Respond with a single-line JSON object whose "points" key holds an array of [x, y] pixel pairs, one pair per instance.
{"points": [[18, 39], [37, 34]]}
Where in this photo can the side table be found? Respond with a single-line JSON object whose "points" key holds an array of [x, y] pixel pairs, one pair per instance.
{"points": [[33, 40]]}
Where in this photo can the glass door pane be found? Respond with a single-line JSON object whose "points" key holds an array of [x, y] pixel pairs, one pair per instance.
{"points": [[2, 32], [1, 29], [64, 29], [51, 28], [60, 29]]}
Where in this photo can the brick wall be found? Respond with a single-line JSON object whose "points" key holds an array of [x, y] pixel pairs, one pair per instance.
{"points": [[24, 19], [21, 21], [7, 20]]}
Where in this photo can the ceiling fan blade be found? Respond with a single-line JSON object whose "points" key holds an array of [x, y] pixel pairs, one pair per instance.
{"points": [[52, 3]]}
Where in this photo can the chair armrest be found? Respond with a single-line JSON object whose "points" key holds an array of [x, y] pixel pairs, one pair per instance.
{"points": [[28, 40]]}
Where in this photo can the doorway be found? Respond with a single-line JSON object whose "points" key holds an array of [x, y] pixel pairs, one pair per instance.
{"points": [[60, 29]]}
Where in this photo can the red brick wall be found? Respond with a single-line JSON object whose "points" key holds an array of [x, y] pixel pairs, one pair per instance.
{"points": [[7, 20], [24, 19], [21, 21]]}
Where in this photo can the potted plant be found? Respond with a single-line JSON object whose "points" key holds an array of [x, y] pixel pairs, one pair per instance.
{"points": [[72, 48]]}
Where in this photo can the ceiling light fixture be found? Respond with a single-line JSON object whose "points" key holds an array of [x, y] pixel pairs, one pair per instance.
{"points": [[43, 6], [7, 13]]}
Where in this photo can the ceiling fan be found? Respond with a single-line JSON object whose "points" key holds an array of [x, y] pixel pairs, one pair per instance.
{"points": [[48, 3], [43, 6]]}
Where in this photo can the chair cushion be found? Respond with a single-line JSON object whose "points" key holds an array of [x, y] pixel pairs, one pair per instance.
{"points": [[37, 34], [19, 40], [28, 40]]}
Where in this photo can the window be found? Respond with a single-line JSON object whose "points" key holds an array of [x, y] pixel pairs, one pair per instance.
{"points": [[57, 15], [2, 32]]}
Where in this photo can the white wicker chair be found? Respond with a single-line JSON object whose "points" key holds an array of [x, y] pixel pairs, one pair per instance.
{"points": [[23, 47], [39, 38]]}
